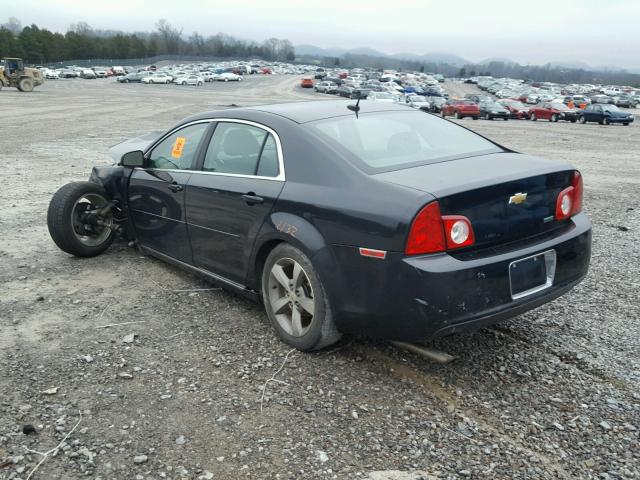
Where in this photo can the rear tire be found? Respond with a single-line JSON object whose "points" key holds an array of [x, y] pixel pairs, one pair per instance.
{"points": [[281, 287], [626, 124], [63, 219], [582, 120], [25, 85], [554, 118], [533, 117]]}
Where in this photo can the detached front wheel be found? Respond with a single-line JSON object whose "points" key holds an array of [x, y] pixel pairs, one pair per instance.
{"points": [[295, 300], [80, 219]]}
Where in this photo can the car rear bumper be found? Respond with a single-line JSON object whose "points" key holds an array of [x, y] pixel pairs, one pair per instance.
{"points": [[421, 297], [463, 114]]}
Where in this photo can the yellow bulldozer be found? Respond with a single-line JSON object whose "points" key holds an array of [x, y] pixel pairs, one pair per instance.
{"points": [[14, 74]]}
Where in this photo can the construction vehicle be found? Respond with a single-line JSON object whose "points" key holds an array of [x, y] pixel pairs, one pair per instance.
{"points": [[13, 74]]}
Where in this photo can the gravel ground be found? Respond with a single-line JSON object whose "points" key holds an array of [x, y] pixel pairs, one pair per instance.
{"points": [[553, 394]]}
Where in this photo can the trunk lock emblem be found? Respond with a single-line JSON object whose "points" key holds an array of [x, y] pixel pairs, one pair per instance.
{"points": [[517, 198]]}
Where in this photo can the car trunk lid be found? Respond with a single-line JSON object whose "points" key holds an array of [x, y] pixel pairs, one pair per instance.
{"points": [[506, 196]]}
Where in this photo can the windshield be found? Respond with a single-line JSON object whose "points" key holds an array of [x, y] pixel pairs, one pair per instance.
{"points": [[386, 141], [382, 95], [610, 108]]}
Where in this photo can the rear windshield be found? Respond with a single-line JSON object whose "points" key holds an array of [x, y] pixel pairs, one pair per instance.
{"points": [[386, 141]]}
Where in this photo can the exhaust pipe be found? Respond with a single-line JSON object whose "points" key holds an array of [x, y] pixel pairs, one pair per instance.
{"points": [[428, 353]]}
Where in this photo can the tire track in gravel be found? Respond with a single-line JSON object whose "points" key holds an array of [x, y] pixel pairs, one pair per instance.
{"points": [[577, 363], [431, 384]]}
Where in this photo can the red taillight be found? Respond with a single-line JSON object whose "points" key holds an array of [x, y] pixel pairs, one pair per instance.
{"points": [[458, 231], [430, 232], [427, 232], [569, 201], [577, 192]]}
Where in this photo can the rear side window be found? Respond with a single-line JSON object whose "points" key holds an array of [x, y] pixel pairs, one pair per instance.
{"points": [[268, 165], [386, 141], [241, 149]]}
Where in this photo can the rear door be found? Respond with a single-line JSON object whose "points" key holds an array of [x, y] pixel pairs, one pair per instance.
{"points": [[228, 199], [156, 194]]}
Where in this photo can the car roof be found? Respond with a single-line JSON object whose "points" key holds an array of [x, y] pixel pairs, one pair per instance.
{"points": [[303, 112]]}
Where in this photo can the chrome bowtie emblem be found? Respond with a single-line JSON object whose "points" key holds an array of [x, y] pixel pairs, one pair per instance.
{"points": [[517, 198]]}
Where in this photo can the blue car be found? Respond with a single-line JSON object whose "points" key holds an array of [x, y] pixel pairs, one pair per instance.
{"points": [[605, 115]]}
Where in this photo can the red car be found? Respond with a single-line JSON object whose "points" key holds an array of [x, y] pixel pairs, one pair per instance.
{"points": [[515, 107], [307, 82], [460, 109], [553, 111]]}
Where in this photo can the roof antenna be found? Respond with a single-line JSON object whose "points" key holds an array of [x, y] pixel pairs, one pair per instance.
{"points": [[356, 107]]}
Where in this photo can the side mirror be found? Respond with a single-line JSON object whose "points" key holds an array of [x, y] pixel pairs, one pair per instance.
{"points": [[132, 159]]}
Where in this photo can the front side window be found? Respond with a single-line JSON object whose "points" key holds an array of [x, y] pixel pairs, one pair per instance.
{"points": [[178, 151], [241, 149]]}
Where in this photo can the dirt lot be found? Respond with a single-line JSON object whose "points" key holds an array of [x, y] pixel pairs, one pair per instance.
{"points": [[553, 394]]}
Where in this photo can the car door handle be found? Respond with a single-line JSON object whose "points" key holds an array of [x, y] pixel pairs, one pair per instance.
{"points": [[252, 199], [174, 187]]}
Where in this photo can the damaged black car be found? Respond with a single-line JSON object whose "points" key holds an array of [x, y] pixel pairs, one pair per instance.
{"points": [[373, 219]]}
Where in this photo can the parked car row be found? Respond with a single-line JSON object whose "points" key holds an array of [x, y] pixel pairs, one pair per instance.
{"points": [[578, 95], [227, 71]]}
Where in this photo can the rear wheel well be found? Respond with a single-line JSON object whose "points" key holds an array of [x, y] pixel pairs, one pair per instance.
{"points": [[261, 258]]}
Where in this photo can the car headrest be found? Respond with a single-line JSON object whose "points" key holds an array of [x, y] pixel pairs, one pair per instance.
{"points": [[403, 143], [239, 141]]}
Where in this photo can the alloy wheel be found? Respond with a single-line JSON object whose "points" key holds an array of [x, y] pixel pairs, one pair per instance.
{"points": [[290, 297]]}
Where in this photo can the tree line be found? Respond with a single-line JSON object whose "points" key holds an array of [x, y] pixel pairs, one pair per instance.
{"points": [[82, 42]]}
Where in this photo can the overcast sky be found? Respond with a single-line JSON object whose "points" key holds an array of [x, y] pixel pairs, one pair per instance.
{"points": [[598, 32]]}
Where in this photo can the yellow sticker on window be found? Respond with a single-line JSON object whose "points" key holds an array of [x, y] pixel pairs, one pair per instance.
{"points": [[178, 147]]}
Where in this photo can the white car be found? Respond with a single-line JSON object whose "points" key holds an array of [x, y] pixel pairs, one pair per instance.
{"points": [[208, 76], [417, 101], [189, 80], [382, 97], [229, 77], [156, 78], [326, 87], [51, 74]]}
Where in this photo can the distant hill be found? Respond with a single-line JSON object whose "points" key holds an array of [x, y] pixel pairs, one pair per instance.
{"points": [[433, 57], [452, 60], [339, 52]]}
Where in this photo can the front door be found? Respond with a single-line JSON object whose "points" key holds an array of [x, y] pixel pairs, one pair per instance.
{"points": [[156, 192], [229, 199]]}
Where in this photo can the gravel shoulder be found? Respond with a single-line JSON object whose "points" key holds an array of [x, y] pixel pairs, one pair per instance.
{"points": [[553, 394]]}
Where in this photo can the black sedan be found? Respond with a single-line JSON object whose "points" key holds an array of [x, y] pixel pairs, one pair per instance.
{"points": [[605, 114], [135, 77], [492, 110], [374, 219], [345, 91]]}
